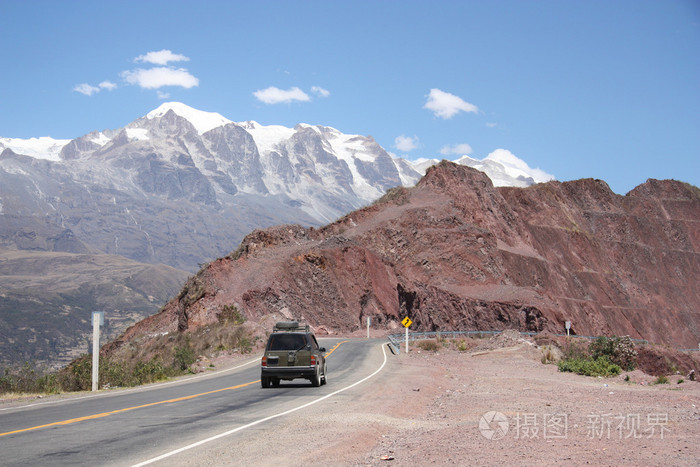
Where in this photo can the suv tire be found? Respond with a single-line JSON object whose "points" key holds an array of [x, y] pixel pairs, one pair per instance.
{"points": [[316, 379]]}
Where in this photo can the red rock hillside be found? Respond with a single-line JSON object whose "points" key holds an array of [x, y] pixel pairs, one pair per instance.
{"points": [[455, 253]]}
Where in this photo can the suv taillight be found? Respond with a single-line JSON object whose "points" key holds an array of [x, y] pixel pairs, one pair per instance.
{"points": [[264, 361], [313, 360]]}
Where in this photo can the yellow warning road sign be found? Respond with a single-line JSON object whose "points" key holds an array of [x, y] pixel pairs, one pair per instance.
{"points": [[407, 321]]}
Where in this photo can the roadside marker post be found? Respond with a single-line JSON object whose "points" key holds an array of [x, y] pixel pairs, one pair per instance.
{"points": [[98, 319], [568, 326], [407, 322], [369, 320]]}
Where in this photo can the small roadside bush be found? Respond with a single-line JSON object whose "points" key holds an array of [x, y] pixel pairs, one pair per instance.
{"points": [[138, 363], [548, 355], [463, 345], [429, 345], [574, 350], [603, 357], [78, 375], [600, 366], [619, 350], [185, 355], [661, 380], [26, 379]]}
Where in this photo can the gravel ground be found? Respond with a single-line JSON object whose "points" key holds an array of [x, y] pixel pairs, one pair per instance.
{"points": [[453, 408]]}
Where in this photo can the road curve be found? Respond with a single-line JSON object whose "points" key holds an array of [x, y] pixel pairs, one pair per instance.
{"points": [[145, 425]]}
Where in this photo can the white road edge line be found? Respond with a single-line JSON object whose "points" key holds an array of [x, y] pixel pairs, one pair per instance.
{"points": [[136, 389], [262, 420]]}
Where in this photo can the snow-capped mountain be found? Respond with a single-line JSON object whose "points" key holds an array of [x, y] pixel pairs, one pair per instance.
{"points": [[180, 185], [40, 148], [502, 167]]}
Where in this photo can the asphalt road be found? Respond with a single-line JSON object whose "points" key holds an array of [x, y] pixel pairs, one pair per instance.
{"points": [[128, 427]]}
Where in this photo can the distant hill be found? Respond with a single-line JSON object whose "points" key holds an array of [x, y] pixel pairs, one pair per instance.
{"points": [[47, 299]]}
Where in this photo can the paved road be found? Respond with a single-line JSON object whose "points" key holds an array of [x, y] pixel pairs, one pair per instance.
{"points": [[132, 426]]}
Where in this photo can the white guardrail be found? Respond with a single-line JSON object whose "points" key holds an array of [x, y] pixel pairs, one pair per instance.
{"points": [[395, 339]]}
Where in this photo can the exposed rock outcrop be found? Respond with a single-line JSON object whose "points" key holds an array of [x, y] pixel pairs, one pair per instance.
{"points": [[456, 253]]}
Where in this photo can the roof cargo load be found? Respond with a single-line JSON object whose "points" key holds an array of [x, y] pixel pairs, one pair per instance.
{"points": [[290, 326]]}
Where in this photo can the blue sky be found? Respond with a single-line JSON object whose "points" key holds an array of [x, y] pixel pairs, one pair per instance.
{"points": [[603, 89]]}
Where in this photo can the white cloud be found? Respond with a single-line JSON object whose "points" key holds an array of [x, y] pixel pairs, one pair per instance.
{"points": [[86, 89], [273, 95], [406, 143], [154, 78], [491, 125], [320, 91], [459, 149], [161, 57], [162, 95], [108, 85], [89, 89], [446, 105]]}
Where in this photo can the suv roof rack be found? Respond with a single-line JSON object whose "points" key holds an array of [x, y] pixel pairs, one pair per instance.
{"points": [[290, 326]]}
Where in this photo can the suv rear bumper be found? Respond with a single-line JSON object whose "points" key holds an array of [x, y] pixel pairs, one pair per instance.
{"points": [[288, 372]]}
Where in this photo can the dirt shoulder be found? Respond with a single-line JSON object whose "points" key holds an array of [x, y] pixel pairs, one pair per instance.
{"points": [[438, 408]]}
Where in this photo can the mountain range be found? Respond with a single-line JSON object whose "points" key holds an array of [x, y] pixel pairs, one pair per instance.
{"points": [[168, 192]]}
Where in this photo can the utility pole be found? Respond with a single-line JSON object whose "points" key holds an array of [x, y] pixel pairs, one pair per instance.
{"points": [[98, 319]]}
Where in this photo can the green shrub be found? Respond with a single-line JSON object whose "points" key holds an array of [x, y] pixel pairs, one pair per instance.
{"points": [[600, 366], [245, 344], [78, 375], [462, 345], [661, 380], [619, 350], [184, 355], [150, 372], [574, 350]]}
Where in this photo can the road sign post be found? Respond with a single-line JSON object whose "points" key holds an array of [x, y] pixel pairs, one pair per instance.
{"points": [[407, 322], [98, 318], [406, 339]]}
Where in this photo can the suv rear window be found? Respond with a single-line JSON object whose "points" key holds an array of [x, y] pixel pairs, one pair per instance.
{"points": [[287, 342]]}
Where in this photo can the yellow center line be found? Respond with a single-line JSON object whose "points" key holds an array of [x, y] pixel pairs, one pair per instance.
{"points": [[107, 414], [334, 348], [179, 399]]}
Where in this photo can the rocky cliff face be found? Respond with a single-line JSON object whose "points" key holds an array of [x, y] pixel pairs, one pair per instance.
{"points": [[456, 253]]}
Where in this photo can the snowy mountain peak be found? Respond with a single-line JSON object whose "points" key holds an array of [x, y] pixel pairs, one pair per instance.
{"points": [[202, 121], [39, 148]]}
